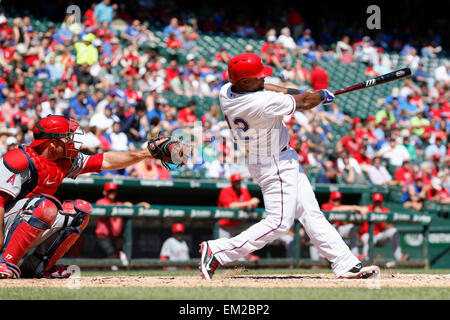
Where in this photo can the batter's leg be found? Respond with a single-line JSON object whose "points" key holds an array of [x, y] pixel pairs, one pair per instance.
{"points": [[322, 234], [280, 193]]}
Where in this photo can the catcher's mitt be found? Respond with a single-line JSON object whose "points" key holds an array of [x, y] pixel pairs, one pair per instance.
{"points": [[169, 151]]}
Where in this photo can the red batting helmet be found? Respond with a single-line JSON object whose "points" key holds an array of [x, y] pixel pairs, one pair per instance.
{"points": [[335, 195], [177, 227], [247, 65], [110, 186], [56, 127], [377, 197]]}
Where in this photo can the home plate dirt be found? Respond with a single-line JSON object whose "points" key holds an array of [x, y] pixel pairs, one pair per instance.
{"points": [[385, 280]]}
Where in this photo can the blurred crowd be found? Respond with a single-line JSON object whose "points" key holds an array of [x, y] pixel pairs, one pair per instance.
{"points": [[108, 72]]}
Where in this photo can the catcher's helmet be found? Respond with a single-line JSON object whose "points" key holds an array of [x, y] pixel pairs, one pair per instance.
{"points": [[177, 227], [247, 65], [56, 127]]}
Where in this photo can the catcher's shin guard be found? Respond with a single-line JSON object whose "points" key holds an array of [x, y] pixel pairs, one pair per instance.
{"points": [[24, 233], [45, 256]]}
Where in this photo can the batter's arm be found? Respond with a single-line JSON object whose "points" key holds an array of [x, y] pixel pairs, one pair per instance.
{"points": [[304, 100]]}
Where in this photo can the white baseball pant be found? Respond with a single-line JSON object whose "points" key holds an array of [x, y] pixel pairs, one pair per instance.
{"points": [[288, 195]]}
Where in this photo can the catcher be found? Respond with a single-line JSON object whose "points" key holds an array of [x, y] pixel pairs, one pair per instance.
{"points": [[30, 217]]}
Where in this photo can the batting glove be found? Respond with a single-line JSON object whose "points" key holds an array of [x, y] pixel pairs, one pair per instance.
{"points": [[328, 97]]}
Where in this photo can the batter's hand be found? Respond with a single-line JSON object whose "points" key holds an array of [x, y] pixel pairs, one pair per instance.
{"points": [[328, 97]]}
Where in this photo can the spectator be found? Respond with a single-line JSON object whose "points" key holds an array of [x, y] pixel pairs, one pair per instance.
{"points": [[442, 74], [146, 169], [270, 52], [330, 175], [80, 107], [39, 95], [42, 72], [175, 248], [418, 124], [404, 174], [104, 11], [300, 72], [136, 123], [383, 232], [86, 52], [378, 173], [393, 152], [9, 107], [104, 121], [306, 42], [415, 194], [223, 56], [172, 28], [286, 40], [187, 115], [349, 174], [436, 148], [437, 193], [235, 197], [173, 42], [117, 138], [318, 77]]}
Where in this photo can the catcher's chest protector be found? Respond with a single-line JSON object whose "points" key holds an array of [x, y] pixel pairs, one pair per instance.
{"points": [[49, 174]]}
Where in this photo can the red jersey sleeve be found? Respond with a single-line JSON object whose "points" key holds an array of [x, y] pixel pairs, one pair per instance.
{"points": [[327, 207]]}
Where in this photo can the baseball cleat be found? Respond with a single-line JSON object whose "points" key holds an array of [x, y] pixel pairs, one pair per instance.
{"points": [[361, 272], [9, 271], [208, 263]]}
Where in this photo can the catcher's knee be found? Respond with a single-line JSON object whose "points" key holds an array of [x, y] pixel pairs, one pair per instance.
{"points": [[44, 213], [43, 259]]}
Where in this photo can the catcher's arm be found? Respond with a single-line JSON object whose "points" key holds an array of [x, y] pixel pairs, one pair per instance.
{"points": [[118, 160], [162, 150]]}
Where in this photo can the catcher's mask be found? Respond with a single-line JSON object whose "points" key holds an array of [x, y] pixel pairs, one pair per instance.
{"points": [[57, 127]]}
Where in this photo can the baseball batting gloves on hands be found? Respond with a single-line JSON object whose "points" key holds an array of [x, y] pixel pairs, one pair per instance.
{"points": [[170, 150], [328, 97]]}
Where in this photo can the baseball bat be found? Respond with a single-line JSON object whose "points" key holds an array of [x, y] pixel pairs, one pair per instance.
{"points": [[385, 78]]}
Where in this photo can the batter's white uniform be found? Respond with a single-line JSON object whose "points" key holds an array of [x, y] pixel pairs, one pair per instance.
{"points": [[256, 120]]}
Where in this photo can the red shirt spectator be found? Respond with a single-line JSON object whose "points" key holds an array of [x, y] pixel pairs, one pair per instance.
{"points": [[187, 115], [350, 142], [318, 78], [174, 43], [404, 173], [172, 70]]}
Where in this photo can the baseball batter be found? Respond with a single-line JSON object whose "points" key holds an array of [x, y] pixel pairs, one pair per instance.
{"points": [[254, 111]]}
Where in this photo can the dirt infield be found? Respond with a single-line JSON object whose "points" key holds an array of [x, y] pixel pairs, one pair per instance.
{"points": [[239, 279]]}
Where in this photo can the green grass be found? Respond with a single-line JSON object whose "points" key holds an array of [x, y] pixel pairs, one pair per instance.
{"points": [[225, 294]]}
